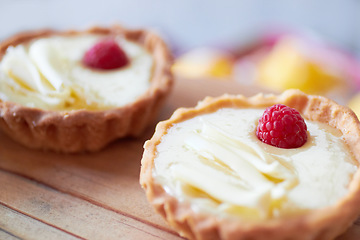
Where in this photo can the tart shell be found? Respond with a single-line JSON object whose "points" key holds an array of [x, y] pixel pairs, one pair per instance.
{"points": [[85, 130], [320, 224]]}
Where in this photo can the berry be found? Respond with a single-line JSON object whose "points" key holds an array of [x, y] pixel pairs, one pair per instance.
{"points": [[282, 126], [105, 55]]}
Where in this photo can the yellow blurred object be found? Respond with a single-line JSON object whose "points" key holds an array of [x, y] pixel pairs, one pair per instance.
{"points": [[288, 66], [354, 104], [202, 63]]}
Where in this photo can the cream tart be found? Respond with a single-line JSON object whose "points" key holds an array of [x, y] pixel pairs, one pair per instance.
{"points": [[62, 91], [209, 175]]}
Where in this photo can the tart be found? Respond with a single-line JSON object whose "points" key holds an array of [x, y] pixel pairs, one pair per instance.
{"points": [[52, 98], [209, 175]]}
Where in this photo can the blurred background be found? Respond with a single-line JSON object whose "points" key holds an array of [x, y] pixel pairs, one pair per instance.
{"points": [[190, 23], [305, 44]]}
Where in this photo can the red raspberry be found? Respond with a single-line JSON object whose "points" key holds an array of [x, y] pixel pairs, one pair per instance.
{"points": [[282, 126], [106, 54]]}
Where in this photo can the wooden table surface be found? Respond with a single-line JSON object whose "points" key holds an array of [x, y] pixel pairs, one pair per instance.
{"points": [[44, 195]]}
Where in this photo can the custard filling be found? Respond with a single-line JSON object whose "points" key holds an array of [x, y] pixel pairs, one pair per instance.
{"points": [[48, 73], [216, 162]]}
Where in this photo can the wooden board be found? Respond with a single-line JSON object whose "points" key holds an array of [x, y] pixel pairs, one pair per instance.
{"points": [[44, 195]]}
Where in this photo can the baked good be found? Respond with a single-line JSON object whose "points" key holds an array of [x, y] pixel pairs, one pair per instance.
{"points": [[209, 175], [53, 97]]}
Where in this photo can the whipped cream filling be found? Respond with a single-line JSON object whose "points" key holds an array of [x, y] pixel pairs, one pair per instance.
{"points": [[48, 73], [217, 163]]}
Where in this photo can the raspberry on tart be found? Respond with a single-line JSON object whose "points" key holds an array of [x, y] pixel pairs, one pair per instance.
{"points": [[206, 172], [51, 98], [105, 55], [282, 126]]}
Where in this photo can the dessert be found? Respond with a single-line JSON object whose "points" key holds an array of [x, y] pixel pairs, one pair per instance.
{"points": [[301, 68], [77, 91], [209, 175], [287, 60], [204, 63]]}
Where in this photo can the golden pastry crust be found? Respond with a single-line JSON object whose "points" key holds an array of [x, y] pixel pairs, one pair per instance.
{"points": [[326, 223], [84, 130]]}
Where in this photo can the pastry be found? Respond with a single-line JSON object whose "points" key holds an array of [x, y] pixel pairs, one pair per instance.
{"points": [[210, 172], [287, 60], [77, 91], [202, 63]]}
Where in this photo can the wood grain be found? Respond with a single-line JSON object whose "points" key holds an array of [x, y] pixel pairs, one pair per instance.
{"points": [[15, 225], [7, 236], [77, 217], [92, 196]]}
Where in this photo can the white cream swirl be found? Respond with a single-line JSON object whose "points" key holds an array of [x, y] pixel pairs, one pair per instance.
{"points": [[216, 161], [48, 73]]}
